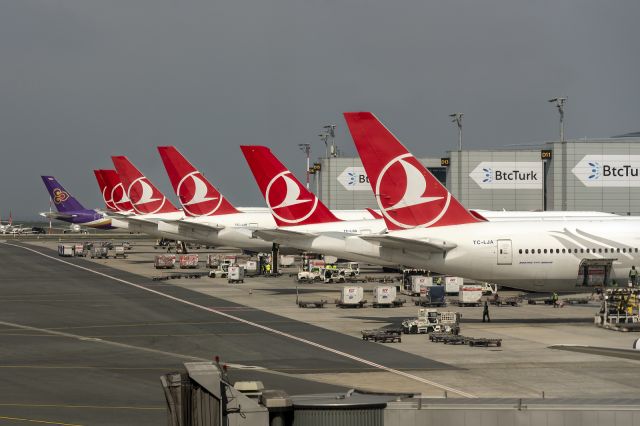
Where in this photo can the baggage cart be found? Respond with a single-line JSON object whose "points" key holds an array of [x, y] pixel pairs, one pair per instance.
{"points": [[164, 261], [390, 335], [236, 274], [119, 252], [312, 303], [100, 252], [188, 261]]}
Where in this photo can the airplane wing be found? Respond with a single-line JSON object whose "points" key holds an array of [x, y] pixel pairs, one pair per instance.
{"points": [[282, 235], [57, 215], [430, 245]]}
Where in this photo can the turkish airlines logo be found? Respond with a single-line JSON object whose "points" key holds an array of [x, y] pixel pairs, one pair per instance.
{"points": [[198, 198], [60, 196], [142, 194], [119, 198], [404, 197], [284, 198], [108, 202]]}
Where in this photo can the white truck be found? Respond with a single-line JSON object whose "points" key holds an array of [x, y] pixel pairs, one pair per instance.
{"points": [[235, 274], [470, 295], [220, 272], [351, 297], [430, 320], [313, 274]]}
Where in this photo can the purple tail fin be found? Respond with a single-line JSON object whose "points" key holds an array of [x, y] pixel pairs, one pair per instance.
{"points": [[61, 198]]}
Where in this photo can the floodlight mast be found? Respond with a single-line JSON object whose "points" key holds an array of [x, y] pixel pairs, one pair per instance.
{"points": [[560, 105], [306, 148], [457, 118]]}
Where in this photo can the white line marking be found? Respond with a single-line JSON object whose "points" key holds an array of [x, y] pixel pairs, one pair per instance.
{"points": [[260, 326]]}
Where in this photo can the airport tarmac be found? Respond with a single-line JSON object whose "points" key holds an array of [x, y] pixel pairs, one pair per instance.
{"points": [[71, 337]]}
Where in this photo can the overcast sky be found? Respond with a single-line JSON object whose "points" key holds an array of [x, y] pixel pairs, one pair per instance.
{"points": [[81, 80]]}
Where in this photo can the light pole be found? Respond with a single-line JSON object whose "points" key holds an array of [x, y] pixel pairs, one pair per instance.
{"points": [[457, 118], [306, 148], [560, 105], [329, 132]]}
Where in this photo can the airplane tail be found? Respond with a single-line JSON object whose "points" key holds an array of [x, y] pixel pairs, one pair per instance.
{"points": [[289, 201], [116, 191], [145, 197], [104, 189], [196, 194], [63, 201], [407, 193]]}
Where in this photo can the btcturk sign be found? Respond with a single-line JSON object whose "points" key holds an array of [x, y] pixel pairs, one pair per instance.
{"points": [[508, 175], [608, 170]]}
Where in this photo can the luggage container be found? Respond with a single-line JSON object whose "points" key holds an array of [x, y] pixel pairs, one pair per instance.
{"points": [[251, 268], [384, 295], [470, 295], [212, 261], [119, 252], [452, 284], [65, 250], [418, 281], [100, 252], [287, 260], [78, 250], [351, 296], [188, 261], [433, 295], [164, 261], [235, 274]]}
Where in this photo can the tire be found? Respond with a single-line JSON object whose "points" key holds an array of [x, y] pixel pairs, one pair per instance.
{"points": [[499, 344], [413, 329]]}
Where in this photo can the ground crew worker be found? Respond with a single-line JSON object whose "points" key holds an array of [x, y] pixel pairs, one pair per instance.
{"points": [[485, 312], [554, 299], [633, 276], [268, 268]]}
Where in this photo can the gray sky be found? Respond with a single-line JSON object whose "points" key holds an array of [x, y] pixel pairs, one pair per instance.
{"points": [[81, 80]]}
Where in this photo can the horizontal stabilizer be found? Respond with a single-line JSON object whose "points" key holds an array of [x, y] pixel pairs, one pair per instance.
{"points": [[429, 245], [54, 215]]}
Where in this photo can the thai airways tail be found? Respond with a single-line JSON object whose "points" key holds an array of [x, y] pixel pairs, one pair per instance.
{"points": [[145, 197], [289, 201], [63, 201], [407, 193], [196, 194], [115, 192]]}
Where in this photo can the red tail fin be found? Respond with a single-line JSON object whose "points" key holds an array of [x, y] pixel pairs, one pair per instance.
{"points": [[144, 196], [408, 194], [104, 189], [197, 196], [374, 213], [289, 201], [116, 190]]}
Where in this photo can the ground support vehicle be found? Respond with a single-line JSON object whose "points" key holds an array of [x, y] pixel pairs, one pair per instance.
{"points": [[220, 272], [101, 252], [236, 274], [65, 250], [430, 320], [483, 341], [313, 274], [506, 301], [79, 251], [312, 303], [119, 252], [619, 309], [389, 335], [188, 261], [164, 261]]}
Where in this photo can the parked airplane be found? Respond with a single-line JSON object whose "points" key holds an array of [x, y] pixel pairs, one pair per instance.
{"points": [[211, 217], [304, 222], [113, 192], [429, 228], [149, 204], [70, 210]]}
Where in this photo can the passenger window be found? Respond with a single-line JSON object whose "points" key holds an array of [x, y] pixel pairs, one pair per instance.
{"points": [[563, 251], [557, 251], [624, 250], [545, 251], [618, 250], [599, 250], [606, 250], [526, 251], [539, 251]]}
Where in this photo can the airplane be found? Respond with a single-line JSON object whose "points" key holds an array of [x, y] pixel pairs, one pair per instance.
{"points": [[303, 221], [148, 203], [210, 217], [428, 228], [70, 210], [113, 192]]}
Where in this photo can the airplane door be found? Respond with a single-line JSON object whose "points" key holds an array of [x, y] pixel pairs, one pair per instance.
{"points": [[505, 255]]}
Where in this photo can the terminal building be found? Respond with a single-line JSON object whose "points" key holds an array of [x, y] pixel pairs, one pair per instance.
{"points": [[576, 175]]}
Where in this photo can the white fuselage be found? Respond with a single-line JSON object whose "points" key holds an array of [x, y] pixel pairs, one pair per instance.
{"points": [[530, 255]]}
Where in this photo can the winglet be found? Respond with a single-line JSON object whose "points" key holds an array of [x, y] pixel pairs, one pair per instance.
{"points": [[144, 196], [407, 193], [289, 201], [196, 194]]}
